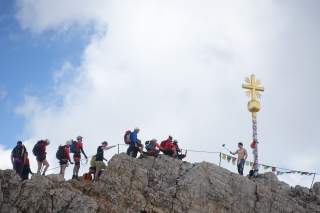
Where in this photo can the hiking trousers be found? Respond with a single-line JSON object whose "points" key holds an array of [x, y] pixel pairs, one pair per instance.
{"points": [[132, 151], [241, 166]]}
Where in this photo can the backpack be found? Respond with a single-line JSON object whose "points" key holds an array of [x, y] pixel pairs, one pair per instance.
{"points": [[73, 147], [126, 137], [166, 145], [60, 153], [150, 145], [18, 152], [36, 149]]}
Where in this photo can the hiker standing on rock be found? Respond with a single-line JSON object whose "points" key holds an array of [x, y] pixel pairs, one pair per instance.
{"points": [[242, 157], [77, 149], [100, 157], [39, 150], [63, 155], [135, 144], [17, 157]]}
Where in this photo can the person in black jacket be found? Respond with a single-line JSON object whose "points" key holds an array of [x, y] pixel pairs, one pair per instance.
{"points": [[100, 157], [18, 157]]}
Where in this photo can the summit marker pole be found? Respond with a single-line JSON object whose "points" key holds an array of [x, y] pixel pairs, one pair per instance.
{"points": [[253, 88]]}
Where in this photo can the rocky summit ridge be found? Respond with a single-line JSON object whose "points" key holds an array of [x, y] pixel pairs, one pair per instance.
{"points": [[156, 185]]}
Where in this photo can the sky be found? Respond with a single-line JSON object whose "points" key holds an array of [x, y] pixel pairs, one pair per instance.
{"points": [[96, 69]]}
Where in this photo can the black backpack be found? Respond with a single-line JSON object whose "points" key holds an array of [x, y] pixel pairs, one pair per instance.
{"points": [[36, 149], [60, 153], [18, 152]]}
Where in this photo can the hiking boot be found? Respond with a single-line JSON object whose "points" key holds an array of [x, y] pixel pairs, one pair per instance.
{"points": [[73, 177], [43, 174]]}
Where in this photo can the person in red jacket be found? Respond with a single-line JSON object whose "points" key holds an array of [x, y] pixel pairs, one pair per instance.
{"points": [[168, 148], [42, 156], [77, 157], [64, 161]]}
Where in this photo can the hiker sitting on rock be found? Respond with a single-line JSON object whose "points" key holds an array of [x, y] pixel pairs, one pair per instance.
{"points": [[26, 167], [152, 148], [135, 144], [39, 150], [100, 165], [180, 156], [242, 157], [17, 157], [168, 148], [63, 155]]}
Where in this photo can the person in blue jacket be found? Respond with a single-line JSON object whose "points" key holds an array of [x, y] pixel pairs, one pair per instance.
{"points": [[135, 144]]}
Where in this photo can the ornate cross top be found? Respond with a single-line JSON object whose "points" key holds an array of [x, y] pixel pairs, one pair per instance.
{"points": [[253, 87]]}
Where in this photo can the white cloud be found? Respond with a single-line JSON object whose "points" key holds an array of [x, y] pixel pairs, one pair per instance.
{"points": [[176, 68], [5, 154]]}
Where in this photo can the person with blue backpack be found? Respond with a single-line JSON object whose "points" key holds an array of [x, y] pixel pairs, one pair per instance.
{"points": [[135, 145], [77, 148], [152, 148]]}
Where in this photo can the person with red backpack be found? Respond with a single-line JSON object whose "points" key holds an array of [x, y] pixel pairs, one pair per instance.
{"points": [[18, 157], [168, 148], [39, 150], [135, 144], [77, 149], [63, 155]]}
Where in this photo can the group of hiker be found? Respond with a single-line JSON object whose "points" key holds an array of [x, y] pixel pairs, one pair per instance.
{"points": [[20, 158], [169, 147], [21, 164], [153, 148]]}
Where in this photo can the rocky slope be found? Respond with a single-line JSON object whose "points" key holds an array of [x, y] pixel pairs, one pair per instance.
{"points": [[156, 185]]}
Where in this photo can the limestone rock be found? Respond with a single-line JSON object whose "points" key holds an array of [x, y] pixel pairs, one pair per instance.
{"points": [[156, 185]]}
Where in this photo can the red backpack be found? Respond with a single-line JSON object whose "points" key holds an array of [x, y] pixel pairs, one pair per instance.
{"points": [[126, 137], [166, 145]]}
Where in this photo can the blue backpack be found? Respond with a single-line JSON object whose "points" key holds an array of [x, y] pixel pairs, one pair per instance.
{"points": [[73, 147], [150, 145]]}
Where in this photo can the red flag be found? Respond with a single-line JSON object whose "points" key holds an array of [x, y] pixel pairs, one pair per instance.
{"points": [[253, 144]]}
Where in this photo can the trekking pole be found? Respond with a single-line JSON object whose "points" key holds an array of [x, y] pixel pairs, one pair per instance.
{"points": [[220, 159], [314, 176]]}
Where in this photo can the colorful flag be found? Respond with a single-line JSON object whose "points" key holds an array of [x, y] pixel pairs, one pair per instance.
{"points": [[247, 163], [229, 158], [251, 164], [224, 156]]}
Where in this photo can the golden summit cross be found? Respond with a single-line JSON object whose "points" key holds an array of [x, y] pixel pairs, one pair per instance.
{"points": [[253, 87]]}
